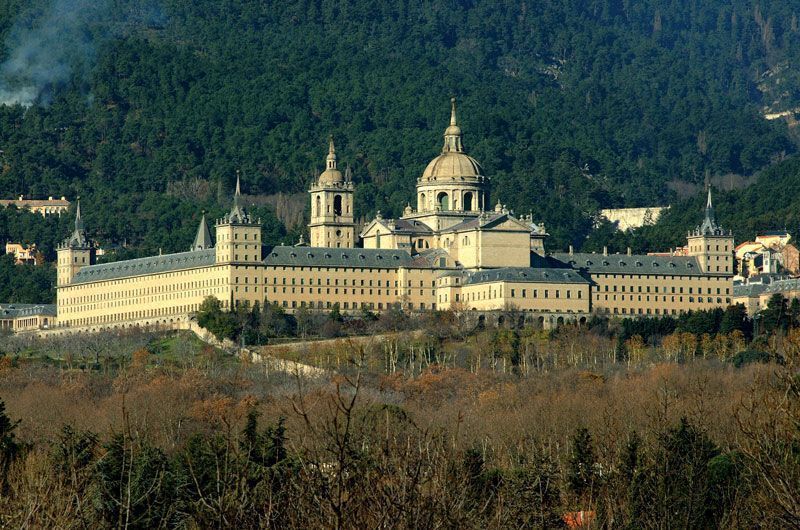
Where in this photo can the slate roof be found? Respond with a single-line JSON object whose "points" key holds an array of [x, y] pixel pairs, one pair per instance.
{"points": [[429, 258], [411, 226], [633, 264], [342, 257], [476, 222], [527, 275], [749, 289], [202, 240], [151, 265], [26, 310], [782, 286]]}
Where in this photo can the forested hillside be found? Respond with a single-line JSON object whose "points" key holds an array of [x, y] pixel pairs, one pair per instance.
{"points": [[147, 109]]}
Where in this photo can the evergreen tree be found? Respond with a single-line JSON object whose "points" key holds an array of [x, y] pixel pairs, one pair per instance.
{"points": [[134, 485], [735, 318], [581, 473], [775, 317], [9, 447]]}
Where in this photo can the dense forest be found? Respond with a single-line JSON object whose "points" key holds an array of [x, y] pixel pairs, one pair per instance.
{"points": [[147, 109]]}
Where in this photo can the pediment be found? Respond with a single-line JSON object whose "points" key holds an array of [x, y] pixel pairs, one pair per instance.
{"points": [[507, 222], [372, 228]]}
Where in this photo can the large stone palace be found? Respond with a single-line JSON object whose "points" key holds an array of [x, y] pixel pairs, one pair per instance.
{"points": [[453, 251]]}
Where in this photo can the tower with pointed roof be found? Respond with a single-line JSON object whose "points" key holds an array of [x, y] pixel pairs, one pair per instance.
{"points": [[76, 252], [202, 241], [452, 188], [332, 223], [238, 236], [712, 245]]}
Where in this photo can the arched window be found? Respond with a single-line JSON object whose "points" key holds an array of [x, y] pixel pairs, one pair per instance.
{"points": [[319, 206], [337, 205], [422, 205], [468, 201], [444, 201]]}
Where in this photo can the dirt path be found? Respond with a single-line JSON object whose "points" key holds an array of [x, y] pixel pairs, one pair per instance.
{"points": [[306, 345]]}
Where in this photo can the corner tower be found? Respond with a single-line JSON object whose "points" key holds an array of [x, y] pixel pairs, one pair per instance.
{"points": [[332, 207], [75, 252], [712, 245], [238, 236]]}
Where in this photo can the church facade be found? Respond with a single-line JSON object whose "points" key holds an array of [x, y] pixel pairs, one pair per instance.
{"points": [[451, 251]]}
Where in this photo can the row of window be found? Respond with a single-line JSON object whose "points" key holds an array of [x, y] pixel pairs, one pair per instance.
{"points": [[380, 292], [691, 299], [664, 289], [354, 282], [111, 318], [645, 311]]}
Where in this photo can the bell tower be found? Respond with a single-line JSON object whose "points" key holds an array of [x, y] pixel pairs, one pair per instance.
{"points": [[75, 252], [332, 222]]}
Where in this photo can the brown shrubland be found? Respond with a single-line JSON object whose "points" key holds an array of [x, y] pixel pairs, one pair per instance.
{"points": [[420, 438]]}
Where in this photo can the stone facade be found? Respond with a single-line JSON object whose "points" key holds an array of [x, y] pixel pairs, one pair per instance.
{"points": [[44, 208], [26, 317]]}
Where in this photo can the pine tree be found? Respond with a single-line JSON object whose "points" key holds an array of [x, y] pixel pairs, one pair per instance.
{"points": [[581, 466], [9, 447]]}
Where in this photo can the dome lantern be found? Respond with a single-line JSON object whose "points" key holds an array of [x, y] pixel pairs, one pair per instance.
{"points": [[331, 175]]}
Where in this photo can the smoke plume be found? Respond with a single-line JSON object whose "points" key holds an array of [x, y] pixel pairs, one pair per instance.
{"points": [[47, 46]]}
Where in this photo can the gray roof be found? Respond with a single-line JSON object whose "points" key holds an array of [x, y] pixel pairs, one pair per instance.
{"points": [[483, 219], [527, 275], [631, 264], [749, 289], [428, 258], [342, 257], [141, 266], [26, 310], [410, 226], [782, 286], [275, 256], [202, 240]]}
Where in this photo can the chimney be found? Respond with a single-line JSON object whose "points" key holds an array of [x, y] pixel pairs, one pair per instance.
{"points": [[629, 251], [570, 250], [605, 251]]}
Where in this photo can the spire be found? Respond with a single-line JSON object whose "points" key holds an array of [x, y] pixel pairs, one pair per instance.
{"points": [[452, 135], [78, 237], [202, 241], [709, 224], [331, 159], [238, 213], [78, 220], [238, 192]]}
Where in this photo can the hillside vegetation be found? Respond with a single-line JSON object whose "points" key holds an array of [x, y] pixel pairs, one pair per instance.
{"points": [[146, 109]]}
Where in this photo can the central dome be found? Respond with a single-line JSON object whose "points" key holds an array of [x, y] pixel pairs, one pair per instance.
{"points": [[452, 165]]}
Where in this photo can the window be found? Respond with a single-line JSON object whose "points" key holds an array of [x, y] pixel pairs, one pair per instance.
{"points": [[443, 201]]}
